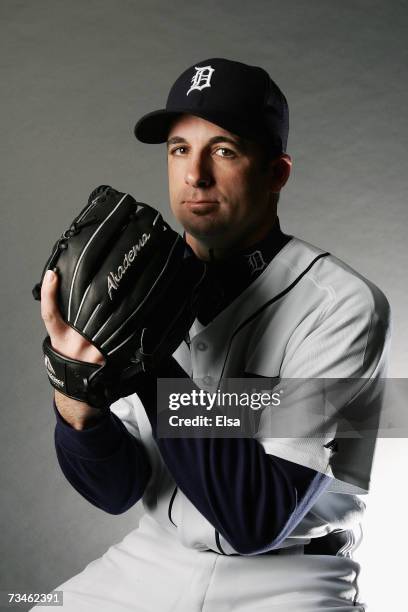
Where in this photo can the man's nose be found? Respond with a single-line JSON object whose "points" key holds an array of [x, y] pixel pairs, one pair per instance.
{"points": [[198, 172]]}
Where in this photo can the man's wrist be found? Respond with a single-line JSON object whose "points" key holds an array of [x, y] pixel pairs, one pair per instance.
{"points": [[99, 441], [78, 415]]}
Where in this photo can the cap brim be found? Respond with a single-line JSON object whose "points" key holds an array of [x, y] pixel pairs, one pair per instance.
{"points": [[154, 127]]}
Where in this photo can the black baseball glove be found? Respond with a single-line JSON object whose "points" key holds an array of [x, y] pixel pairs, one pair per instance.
{"points": [[130, 285]]}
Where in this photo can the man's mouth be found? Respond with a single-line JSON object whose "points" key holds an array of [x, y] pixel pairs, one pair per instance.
{"points": [[202, 201], [201, 206]]}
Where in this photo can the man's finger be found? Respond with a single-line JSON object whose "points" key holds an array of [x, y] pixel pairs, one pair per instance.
{"points": [[49, 306]]}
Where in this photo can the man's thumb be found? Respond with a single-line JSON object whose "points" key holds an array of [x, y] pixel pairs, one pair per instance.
{"points": [[49, 307]]}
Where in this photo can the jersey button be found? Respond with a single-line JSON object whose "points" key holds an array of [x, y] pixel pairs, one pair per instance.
{"points": [[201, 346], [207, 380]]}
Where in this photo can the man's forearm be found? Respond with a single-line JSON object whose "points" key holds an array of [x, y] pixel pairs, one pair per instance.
{"points": [[251, 498], [106, 464]]}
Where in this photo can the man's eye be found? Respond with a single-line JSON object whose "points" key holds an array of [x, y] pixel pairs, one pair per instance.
{"points": [[178, 151], [224, 152]]}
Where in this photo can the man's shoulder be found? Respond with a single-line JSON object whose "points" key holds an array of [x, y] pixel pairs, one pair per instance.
{"points": [[337, 282]]}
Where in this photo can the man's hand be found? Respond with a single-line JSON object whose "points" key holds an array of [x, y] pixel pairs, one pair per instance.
{"points": [[69, 343]]}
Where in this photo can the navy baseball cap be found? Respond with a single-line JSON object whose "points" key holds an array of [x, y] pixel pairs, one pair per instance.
{"points": [[240, 98]]}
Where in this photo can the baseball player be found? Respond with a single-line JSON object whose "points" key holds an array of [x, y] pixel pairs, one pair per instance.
{"points": [[268, 522]]}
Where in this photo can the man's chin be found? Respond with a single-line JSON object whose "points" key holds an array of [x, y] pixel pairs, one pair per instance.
{"points": [[206, 230]]}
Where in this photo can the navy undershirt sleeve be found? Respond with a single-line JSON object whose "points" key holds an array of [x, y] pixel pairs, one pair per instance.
{"points": [[106, 464], [253, 499]]}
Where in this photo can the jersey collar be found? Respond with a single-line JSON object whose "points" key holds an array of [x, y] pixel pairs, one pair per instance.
{"points": [[228, 278]]}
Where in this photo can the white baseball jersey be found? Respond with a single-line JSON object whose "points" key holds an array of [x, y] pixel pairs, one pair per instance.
{"points": [[306, 316], [322, 320]]}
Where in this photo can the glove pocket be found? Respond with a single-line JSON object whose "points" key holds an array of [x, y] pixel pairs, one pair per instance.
{"points": [[118, 297]]}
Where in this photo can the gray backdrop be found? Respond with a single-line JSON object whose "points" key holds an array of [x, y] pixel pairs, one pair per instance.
{"points": [[74, 78]]}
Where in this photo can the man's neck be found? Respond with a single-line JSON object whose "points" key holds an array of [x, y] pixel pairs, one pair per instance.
{"points": [[208, 251]]}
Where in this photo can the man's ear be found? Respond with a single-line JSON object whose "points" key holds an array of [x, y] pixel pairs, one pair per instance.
{"points": [[279, 171]]}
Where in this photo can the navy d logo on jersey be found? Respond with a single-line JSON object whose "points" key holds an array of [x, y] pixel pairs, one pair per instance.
{"points": [[256, 261], [202, 78]]}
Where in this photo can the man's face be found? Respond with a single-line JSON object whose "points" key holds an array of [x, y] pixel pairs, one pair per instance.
{"points": [[220, 185]]}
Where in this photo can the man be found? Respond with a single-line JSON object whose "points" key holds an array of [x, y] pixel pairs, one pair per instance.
{"points": [[252, 523]]}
